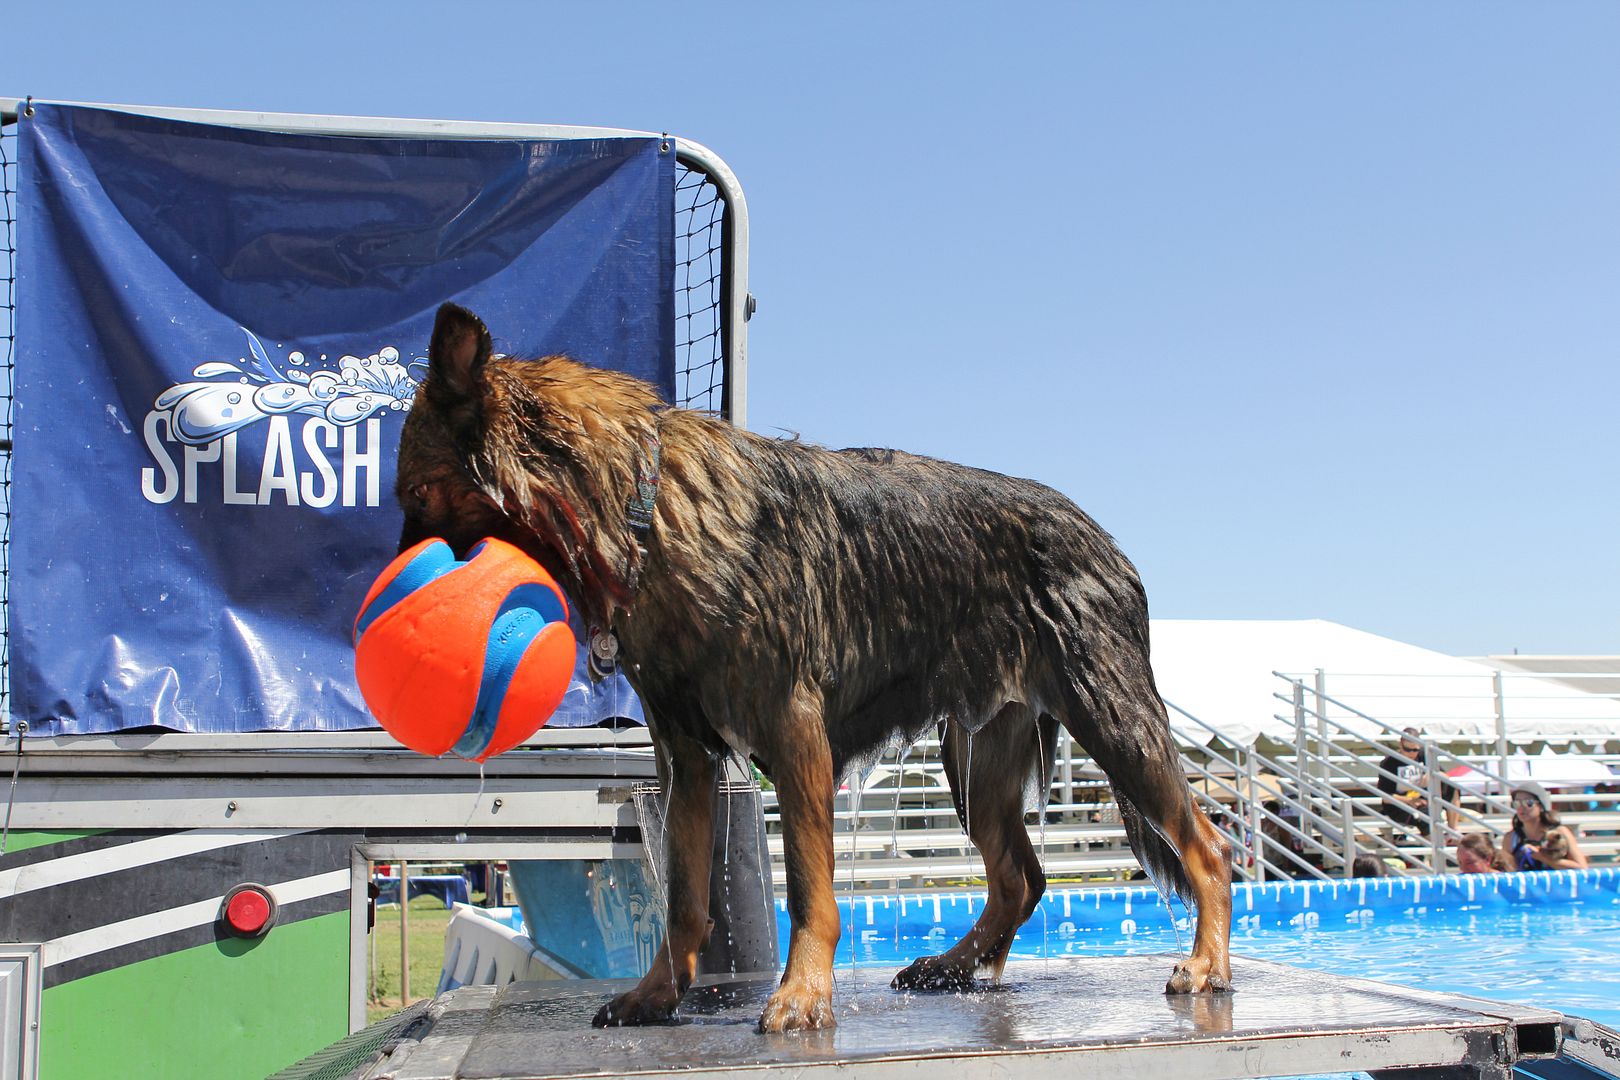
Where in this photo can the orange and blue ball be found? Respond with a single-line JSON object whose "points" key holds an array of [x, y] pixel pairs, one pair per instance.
{"points": [[466, 657]]}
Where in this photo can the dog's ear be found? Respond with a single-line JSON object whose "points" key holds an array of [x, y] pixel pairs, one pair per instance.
{"points": [[457, 354]]}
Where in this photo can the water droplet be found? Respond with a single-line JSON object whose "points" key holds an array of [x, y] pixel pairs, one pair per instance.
{"points": [[234, 399]]}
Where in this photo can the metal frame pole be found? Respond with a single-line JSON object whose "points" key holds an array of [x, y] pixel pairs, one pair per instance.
{"points": [[404, 932], [1348, 826], [1257, 840], [1498, 692], [1437, 814], [1321, 726], [1302, 774], [1068, 766]]}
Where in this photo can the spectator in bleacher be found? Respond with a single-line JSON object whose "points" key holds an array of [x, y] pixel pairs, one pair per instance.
{"points": [[1368, 866], [1281, 845], [1404, 780], [1538, 839], [1477, 855]]}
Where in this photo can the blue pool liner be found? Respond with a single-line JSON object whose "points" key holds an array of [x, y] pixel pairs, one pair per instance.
{"points": [[1108, 914], [1104, 915]]}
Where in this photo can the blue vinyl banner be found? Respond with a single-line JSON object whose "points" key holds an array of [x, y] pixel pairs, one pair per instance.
{"points": [[219, 333]]}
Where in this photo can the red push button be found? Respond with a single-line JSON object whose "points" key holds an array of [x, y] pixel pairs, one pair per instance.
{"points": [[248, 910]]}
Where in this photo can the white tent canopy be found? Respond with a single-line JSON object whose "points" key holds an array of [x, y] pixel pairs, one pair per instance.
{"points": [[1221, 671]]}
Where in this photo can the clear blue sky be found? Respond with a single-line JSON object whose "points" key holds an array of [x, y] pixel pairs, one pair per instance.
{"points": [[1315, 307]]}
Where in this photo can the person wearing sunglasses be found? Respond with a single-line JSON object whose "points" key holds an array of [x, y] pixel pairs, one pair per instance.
{"points": [[1538, 839], [1404, 780]]}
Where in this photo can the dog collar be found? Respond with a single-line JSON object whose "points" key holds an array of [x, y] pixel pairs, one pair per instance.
{"points": [[603, 654], [640, 511]]}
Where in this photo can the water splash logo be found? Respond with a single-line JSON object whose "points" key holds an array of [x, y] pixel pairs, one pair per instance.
{"points": [[626, 909], [336, 455], [202, 412]]}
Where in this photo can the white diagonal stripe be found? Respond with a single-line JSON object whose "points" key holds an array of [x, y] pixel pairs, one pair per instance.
{"points": [[201, 913], [91, 864], [290, 892]]}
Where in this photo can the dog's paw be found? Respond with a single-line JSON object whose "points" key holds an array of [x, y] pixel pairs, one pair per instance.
{"points": [[794, 1008], [932, 973], [638, 1006], [1193, 976]]}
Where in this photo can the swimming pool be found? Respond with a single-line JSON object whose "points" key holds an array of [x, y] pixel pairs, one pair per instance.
{"points": [[1548, 939]]}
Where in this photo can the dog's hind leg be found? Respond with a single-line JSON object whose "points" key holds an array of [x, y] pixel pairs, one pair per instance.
{"points": [[1094, 635], [688, 841], [988, 774], [800, 765], [1114, 711], [1206, 868]]}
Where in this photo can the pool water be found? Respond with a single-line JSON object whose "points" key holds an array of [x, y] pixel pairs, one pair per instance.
{"points": [[1549, 939], [1568, 961], [1546, 939]]}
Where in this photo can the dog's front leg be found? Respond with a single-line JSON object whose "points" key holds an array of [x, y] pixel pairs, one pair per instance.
{"points": [[803, 776], [688, 841]]}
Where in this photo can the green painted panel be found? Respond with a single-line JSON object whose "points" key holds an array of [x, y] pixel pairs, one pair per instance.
{"points": [[215, 1012], [22, 841]]}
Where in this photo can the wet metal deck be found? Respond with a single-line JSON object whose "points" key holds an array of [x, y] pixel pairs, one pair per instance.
{"points": [[1103, 1017]]}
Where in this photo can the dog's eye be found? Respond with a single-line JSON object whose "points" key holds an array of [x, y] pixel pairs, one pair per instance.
{"points": [[420, 494]]}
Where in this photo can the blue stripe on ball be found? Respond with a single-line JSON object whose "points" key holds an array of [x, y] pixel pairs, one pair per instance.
{"points": [[430, 564], [526, 611]]}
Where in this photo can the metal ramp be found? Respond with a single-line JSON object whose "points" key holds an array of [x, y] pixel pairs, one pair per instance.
{"points": [[1094, 1017]]}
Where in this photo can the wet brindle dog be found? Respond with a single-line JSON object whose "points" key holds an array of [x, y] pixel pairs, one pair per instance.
{"points": [[810, 609]]}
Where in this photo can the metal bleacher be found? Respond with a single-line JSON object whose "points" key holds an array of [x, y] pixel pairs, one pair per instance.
{"points": [[1304, 808]]}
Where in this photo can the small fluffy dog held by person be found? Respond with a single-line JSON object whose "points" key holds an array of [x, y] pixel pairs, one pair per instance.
{"points": [[811, 609], [1554, 847]]}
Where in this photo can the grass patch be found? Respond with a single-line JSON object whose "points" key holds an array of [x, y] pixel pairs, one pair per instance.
{"points": [[428, 920]]}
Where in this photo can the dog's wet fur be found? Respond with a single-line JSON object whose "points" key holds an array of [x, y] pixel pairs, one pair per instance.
{"points": [[812, 609]]}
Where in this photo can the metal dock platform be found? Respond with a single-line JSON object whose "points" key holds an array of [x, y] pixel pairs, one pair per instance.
{"points": [[1070, 1018]]}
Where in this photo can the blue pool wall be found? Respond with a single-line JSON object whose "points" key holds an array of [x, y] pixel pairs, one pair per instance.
{"points": [[1106, 915], [1073, 918]]}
